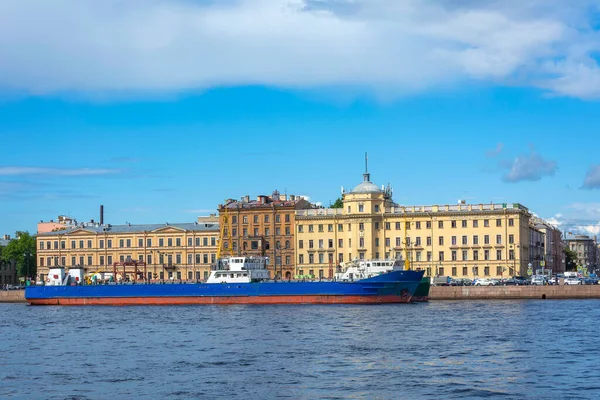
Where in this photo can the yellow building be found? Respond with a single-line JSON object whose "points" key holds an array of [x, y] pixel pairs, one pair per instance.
{"points": [[463, 240], [170, 251]]}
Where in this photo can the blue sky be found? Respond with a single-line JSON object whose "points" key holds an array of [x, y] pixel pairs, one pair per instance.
{"points": [[483, 103]]}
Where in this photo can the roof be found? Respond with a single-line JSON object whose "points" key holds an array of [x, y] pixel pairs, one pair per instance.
{"points": [[268, 203], [366, 186], [131, 228]]}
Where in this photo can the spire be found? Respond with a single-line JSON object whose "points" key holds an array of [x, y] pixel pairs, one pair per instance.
{"points": [[366, 175]]}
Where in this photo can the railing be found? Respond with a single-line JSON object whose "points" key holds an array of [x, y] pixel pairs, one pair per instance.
{"points": [[455, 208], [319, 212]]}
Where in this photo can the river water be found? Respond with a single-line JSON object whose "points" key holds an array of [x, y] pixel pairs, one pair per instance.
{"points": [[537, 349]]}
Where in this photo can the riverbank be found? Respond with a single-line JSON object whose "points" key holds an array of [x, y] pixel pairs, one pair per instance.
{"points": [[454, 293], [12, 296], [514, 292]]}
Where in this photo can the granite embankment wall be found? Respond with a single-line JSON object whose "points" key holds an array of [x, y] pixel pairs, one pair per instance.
{"points": [[514, 292], [453, 293], [12, 296]]}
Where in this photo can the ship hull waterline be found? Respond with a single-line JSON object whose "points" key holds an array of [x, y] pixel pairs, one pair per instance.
{"points": [[224, 300]]}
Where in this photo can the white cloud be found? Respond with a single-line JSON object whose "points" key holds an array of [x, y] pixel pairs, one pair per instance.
{"points": [[387, 46], [21, 171], [496, 151], [592, 178], [579, 218], [529, 167]]}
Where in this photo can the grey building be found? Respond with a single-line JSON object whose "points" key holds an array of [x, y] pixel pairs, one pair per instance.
{"points": [[8, 269], [586, 248]]}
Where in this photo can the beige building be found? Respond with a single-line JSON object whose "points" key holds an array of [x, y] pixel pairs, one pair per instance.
{"points": [[264, 226], [464, 240], [586, 248], [169, 251]]}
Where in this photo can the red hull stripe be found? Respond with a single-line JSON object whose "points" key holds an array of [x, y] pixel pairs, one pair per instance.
{"points": [[125, 301]]}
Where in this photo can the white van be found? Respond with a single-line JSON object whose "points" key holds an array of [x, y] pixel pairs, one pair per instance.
{"points": [[572, 278]]}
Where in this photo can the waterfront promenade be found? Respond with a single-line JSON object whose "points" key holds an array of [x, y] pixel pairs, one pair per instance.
{"points": [[455, 293]]}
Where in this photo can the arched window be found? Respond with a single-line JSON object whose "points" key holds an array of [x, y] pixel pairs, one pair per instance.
{"points": [[267, 245], [234, 246], [287, 244], [278, 245], [245, 246]]}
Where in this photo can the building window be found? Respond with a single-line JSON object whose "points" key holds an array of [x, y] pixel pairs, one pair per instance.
{"points": [[511, 254], [475, 255], [464, 223], [376, 225], [80, 245], [320, 227], [376, 243], [300, 228], [498, 254], [511, 222], [266, 218], [408, 240], [41, 245], [429, 256], [330, 243], [361, 226], [128, 243], [213, 241], [109, 243], [454, 255], [465, 271], [498, 222], [398, 242], [465, 255], [429, 241], [441, 255], [301, 259], [256, 219], [441, 224], [453, 224], [361, 208], [453, 271], [418, 255], [311, 228], [397, 226], [234, 219], [178, 242], [486, 223], [101, 260], [169, 242], [267, 231], [387, 242], [388, 226], [74, 261], [499, 270], [511, 239], [340, 227], [178, 258], [277, 218], [453, 240], [475, 240], [475, 223], [441, 240], [476, 271], [321, 258], [311, 258], [63, 245], [486, 255], [428, 224], [245, 219], [418, 224], [361, 242], [320, 243], [498, 239], [56, 245]]}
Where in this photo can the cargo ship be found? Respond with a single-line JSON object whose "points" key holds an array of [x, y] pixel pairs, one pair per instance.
{"points": [[360, 269], [233, 280]]}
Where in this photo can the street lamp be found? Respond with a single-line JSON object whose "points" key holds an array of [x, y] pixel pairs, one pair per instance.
{"points": [[26, 256]]}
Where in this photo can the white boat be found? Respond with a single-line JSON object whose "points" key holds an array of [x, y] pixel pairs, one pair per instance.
{"points": [[362, 269], [239, 270]]}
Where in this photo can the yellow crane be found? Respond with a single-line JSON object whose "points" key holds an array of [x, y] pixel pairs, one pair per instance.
{"points": [[225, 236]]}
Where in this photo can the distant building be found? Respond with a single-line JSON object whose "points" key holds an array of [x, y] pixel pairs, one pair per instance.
{"points": [[183, 251], [554, 257], [8, 269], [537, 248], [62, 223], [586, 248], [263, 226]]}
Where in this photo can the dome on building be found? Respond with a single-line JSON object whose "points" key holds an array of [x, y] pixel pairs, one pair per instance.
{"points": [[366, 186]]}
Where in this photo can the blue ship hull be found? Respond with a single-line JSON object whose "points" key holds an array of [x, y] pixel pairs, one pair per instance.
{"points": [[392, 287]]}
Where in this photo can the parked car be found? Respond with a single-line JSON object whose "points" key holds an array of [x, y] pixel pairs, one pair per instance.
{"points": [[521, 280], [509, 282], [572, 280], [589, 280], [553, 281], [460, 282], [538, 280], [484, 282], [441, 281]]}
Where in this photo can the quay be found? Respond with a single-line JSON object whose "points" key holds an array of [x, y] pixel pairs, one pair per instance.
{"points": [[514, 292], [12, 296], [438, 293]]}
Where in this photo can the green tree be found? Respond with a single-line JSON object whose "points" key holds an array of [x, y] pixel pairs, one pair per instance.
{"points": [[338, 203], [22, 250], [570, 259]]}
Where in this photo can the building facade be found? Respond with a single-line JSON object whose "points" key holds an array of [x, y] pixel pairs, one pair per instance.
{"points": [[169, 251], [8, 269], [262, 227], [586, 248], [464, 240], [554, 257]]}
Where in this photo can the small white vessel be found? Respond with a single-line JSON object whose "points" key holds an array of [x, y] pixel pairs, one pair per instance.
{"points": [[362, 269], [239, 270]]}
